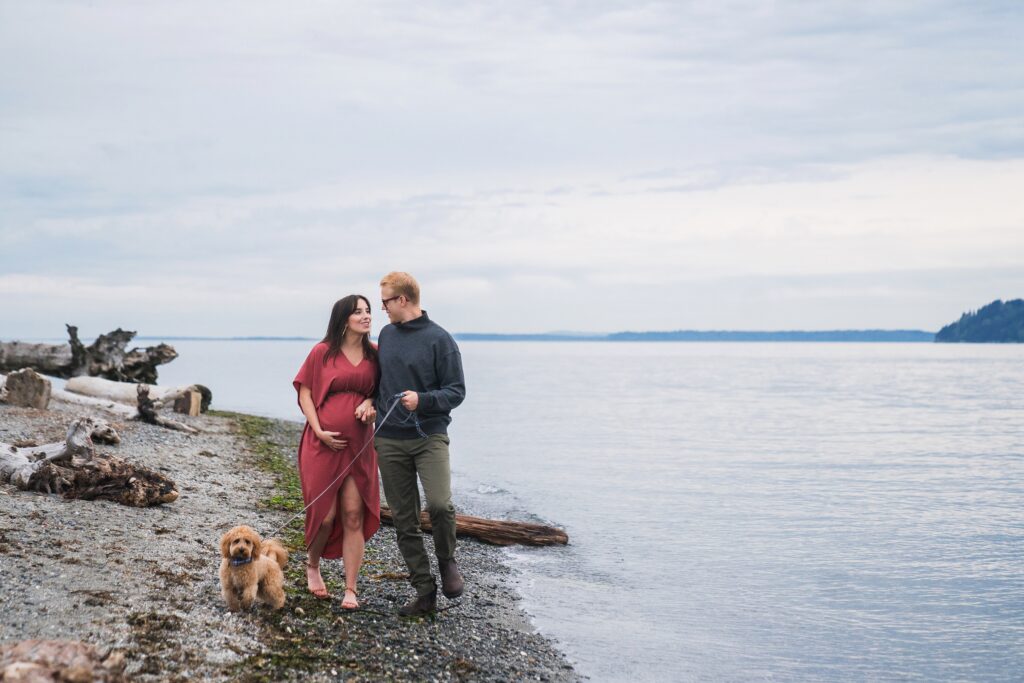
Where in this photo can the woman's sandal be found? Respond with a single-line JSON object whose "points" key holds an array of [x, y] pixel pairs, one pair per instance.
{"points": [[320, 594], [354, 604]]}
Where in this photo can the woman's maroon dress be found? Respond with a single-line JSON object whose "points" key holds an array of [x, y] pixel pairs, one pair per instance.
{"points": [[337, 388]]}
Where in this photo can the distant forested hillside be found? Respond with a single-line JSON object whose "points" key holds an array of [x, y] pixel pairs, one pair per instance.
{"points": [[715, 336], [779, 336], [1000, 322]]}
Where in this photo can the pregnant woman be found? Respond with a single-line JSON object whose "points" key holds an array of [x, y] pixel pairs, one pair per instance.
{"points": [[336, 384]]}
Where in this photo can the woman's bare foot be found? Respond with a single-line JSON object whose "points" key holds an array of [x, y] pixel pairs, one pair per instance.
{"points": [[351, 603], [315, 582]]}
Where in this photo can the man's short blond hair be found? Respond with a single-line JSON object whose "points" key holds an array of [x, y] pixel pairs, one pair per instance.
{"points": [[402, 284]]}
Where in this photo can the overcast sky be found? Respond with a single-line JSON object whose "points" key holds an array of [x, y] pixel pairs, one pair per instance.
{"points": [[232, 168]]}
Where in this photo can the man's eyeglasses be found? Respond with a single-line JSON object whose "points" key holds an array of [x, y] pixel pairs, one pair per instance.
{"points": [[385, 302]]}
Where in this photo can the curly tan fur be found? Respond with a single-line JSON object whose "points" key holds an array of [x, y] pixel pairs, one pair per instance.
{"points": [[261, 579]]}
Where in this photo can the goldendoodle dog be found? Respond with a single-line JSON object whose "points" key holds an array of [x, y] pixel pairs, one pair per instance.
{"points": [[251, 569]]}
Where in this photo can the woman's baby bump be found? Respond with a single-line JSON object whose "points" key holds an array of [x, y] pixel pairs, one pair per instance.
{"points": [[338, 413]]}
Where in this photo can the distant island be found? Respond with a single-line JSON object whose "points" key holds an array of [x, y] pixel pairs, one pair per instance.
{"points": [[999, 322], [718, 335], [151, 338]]}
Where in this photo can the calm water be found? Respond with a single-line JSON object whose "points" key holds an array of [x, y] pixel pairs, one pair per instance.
{"points": [[738, 511]]}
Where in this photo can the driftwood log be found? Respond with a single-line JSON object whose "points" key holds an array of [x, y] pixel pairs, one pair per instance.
{"points": [[113, 408], [126, 392], [74, 469], [106, 357], [189, 404], [145, 413], [493, 531]]}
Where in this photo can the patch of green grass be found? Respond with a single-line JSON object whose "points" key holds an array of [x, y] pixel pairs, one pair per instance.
{"points": [[274, 458], [289, 647], [308, 634]]}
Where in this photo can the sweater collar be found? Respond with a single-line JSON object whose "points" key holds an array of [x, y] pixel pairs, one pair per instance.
{"points": [[414, 324]]}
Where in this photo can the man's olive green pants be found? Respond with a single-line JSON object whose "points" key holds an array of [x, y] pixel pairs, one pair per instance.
{"points": [[400, 461]]}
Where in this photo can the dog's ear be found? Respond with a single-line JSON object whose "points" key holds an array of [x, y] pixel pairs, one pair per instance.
{"points": [[225, 544], [257, 544]]}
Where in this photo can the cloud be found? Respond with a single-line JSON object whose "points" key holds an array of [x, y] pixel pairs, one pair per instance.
{"points": [[268, 160], [161, 101], [495, 259]]}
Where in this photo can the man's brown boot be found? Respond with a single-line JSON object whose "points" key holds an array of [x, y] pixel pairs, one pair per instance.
{"points": [[451, 579], [420, 605]]}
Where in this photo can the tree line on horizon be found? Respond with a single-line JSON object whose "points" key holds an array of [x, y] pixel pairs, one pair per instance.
{"points": [[1000, 322], [997, 322]]}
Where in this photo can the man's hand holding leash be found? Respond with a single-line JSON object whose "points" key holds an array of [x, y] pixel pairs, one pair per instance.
{"points": [[410, 399]]}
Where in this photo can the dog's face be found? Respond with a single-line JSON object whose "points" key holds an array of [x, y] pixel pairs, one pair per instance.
{"points": [[240, 543]]}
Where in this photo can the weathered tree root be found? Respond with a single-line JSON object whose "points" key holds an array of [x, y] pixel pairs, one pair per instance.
{"points": [[105, 357], [147, 413], [74, 469]]}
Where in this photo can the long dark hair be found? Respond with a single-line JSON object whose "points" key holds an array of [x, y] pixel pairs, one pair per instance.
{"points": [[343, 308]]}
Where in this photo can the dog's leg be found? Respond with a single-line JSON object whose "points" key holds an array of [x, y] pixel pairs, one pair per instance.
{"points": [[227, 590], [249, 595], [273, 594], [229, 597]]}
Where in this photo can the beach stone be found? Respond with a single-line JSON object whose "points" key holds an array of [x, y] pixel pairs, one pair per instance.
{"points": [[29, 389], [143, 581]]}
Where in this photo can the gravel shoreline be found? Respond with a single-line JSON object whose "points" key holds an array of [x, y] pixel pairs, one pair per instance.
{"points": [[143, 582]]}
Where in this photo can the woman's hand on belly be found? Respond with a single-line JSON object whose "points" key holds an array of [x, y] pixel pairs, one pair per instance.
{"points": [[331, 440]]}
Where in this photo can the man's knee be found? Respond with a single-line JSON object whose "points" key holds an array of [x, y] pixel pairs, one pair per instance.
{"points": [[440, 507], [405, 516]]}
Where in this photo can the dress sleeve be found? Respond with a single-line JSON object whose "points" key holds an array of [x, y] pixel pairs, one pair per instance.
{"points": [[311, 374]]}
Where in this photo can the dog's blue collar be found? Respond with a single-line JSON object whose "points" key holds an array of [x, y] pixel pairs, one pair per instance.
{"points": [[239, 563]]}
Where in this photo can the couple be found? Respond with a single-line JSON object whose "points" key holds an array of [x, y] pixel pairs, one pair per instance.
{"points": [[337, 384]]}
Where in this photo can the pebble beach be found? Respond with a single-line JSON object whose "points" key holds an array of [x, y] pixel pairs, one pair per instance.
{"points": [[142, 582]]}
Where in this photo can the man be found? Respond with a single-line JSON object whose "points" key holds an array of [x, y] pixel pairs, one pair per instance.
{"points": [[420, 360]]}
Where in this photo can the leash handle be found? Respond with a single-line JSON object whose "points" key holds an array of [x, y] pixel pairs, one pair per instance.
{"points": [[412, 414], [397, 399]]}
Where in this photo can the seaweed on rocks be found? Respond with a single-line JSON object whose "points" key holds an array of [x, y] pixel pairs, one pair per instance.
{"points": [[482, 637], [143, 581]]}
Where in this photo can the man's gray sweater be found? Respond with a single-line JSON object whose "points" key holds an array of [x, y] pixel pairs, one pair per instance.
{"points": [[421, 356]]}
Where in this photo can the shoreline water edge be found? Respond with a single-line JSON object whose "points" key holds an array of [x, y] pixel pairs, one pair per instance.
{"points": [[142, 582]]}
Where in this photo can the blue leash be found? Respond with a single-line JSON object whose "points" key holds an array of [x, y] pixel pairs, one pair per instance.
{"points": [[413, 415]]}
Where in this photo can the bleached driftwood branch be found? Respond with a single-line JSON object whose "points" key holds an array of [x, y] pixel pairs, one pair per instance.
{"points": [[20, 466], [116, 409], [73, 467], [126, 392]]}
